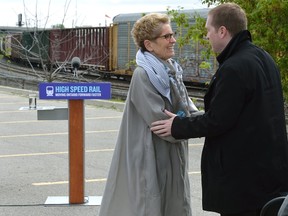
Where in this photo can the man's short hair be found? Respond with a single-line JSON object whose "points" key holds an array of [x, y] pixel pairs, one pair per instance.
{"points": [[229, 15]]}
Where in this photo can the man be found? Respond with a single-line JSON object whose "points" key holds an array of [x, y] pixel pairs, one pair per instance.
{"points": [[245, 154]]}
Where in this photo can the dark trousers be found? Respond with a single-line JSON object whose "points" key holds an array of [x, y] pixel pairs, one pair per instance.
{"points": [[253, 213]]}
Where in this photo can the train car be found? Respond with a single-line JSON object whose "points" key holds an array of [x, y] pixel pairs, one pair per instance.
{"points": [[56, 47], [103, 51], [35, 47], [5, 45], [11, 45], [90, 45], [189, 56], [22, 47]]}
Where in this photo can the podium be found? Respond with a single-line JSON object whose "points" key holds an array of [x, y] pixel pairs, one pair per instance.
{"points": [[75, 93]]}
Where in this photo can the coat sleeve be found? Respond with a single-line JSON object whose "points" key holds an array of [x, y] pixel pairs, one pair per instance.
{"points": [[284, 208], [147, 101], [225, 104]]}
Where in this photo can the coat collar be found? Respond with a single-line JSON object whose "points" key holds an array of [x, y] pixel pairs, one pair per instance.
{"points": [[229, 50], [233, 45]]}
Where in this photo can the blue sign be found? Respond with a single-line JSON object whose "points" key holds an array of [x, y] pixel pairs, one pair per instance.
{"points": [[75, 91]]}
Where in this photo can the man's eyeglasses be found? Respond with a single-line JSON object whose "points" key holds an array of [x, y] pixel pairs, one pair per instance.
{"points": [[167, 36]]}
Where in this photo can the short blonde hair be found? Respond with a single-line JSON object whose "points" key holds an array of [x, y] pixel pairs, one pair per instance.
{"points": [[148, 27]]}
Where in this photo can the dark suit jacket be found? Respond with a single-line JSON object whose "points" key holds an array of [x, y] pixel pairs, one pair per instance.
{"points": [[245, 155]]}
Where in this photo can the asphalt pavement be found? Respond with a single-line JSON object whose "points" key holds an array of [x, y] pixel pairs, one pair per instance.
{"points": [[34, 162]]}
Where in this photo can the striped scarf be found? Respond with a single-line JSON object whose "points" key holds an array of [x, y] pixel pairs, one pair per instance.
{"points": [[166, 77], [156, 71]]}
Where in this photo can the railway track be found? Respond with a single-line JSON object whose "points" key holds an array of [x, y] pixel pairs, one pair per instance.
{"points": [[22, 77], [25, 78]]}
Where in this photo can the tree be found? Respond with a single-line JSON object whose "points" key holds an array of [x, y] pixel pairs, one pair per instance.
{"points": [[58, 26], [267, 22], [32, 46], [191, 32]]}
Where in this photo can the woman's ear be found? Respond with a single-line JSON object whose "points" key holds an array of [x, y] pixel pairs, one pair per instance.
{"points": [[148, 45]]}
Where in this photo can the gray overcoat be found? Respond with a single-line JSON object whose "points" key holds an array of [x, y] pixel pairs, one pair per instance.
{"points": [[148, 174]]}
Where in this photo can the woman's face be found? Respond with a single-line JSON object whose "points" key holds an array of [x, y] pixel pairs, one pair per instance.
{"points": [[163, 45]]}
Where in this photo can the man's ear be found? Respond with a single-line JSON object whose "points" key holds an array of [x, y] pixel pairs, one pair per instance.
{"points": [[223, 31], [148, 45]]}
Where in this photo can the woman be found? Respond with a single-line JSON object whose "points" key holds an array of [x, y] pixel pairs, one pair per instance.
{"points": [[148, 174]]}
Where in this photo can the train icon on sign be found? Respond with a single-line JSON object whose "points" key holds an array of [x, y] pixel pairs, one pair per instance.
{"points": [[49, 90]]}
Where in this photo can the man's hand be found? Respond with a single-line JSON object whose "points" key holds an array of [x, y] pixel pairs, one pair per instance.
{"points": [[163, 127]]}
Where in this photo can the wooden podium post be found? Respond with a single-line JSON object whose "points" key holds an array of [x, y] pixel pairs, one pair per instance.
{"points": [[75, 93], [76, 151]]}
